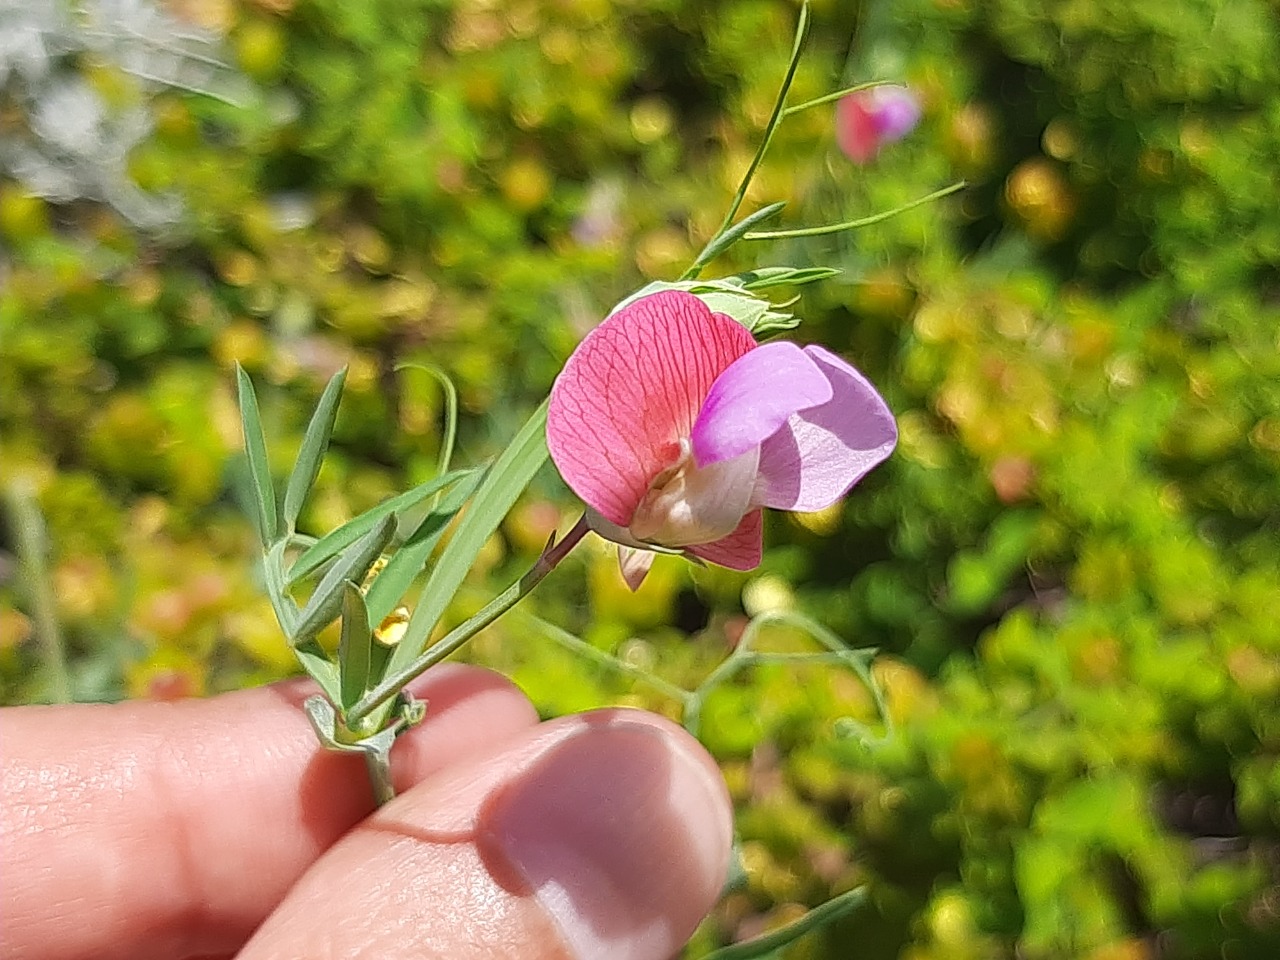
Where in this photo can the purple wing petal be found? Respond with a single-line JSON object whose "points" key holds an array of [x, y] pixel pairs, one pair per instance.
{"points": [[630, 394], [752, 399], [821, 452], [896, 112]]}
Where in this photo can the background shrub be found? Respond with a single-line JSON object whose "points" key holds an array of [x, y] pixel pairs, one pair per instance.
{"points": [[1071, 567]]}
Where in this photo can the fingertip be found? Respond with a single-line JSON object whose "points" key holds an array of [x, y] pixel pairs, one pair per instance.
{"points": [[179, 826], [471, 709], [601, 835], [622, 834]]}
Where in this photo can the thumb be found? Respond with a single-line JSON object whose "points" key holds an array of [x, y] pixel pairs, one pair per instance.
{"points": [[602, 835]]}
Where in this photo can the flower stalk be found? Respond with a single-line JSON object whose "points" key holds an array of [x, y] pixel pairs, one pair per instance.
{"points": [[829, 228], [775, 118], [392, 684]]}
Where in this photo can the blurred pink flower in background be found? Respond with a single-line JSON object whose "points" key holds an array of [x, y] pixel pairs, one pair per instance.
{"points": [[675, 428], [869, 119]]}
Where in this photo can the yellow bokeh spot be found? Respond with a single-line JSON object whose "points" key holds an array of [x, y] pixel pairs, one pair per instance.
{"points": [[823, 522]]}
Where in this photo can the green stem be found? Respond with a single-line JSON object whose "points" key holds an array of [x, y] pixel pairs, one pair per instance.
{"points": [[854, 224], [378, 765], [31, 537], [802, 30], [460, 634], [581, 647], [286, 610], [837, 95]]}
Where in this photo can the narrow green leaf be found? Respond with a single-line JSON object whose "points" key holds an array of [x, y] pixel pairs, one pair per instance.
{"points": [[332, 543], [727, 238], [319, 667], [354, 645], [255, 448], [311, 454], [353, 564], [835, 95], [820, 916], [504, 482], [859, 222], [412, 518], [390, 586], [379, 657]]}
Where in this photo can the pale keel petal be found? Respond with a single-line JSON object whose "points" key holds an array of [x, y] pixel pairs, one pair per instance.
{"points": [[634, 565], [697, 504]]}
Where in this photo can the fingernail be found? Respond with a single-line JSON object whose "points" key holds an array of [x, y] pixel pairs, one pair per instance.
{"points": [[621, 831]]}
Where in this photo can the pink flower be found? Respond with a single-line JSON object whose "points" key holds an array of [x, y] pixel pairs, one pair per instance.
{"points": [[675, 428], [868, 119]]}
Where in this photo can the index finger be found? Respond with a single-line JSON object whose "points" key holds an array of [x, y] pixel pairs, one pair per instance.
{"points": [[173, 829]]}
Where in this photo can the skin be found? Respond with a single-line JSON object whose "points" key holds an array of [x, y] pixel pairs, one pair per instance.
{"points": [[217, 827]]}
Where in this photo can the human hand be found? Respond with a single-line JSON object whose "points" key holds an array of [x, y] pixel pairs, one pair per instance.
{"points": [[201, 828]]}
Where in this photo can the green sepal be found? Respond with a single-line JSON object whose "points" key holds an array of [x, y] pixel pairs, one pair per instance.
{"points": [[762, 317], [353, 565], [255, 449], [354, 646], [728, 296], [736, 296], [338, 539], [311, 454]]}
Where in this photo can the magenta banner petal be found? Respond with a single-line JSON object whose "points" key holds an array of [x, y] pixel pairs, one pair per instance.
{"points": [[631, 392], [823, 451], [740, 550], [856, 131], [753, 398]]}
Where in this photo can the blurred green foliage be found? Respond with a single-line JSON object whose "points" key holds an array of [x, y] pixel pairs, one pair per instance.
{"points": [[1071, 566]]}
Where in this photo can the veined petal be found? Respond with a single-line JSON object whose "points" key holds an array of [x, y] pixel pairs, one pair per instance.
{"points": [[740, 550], [823, 451], [753, 397], [631, 392]]}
